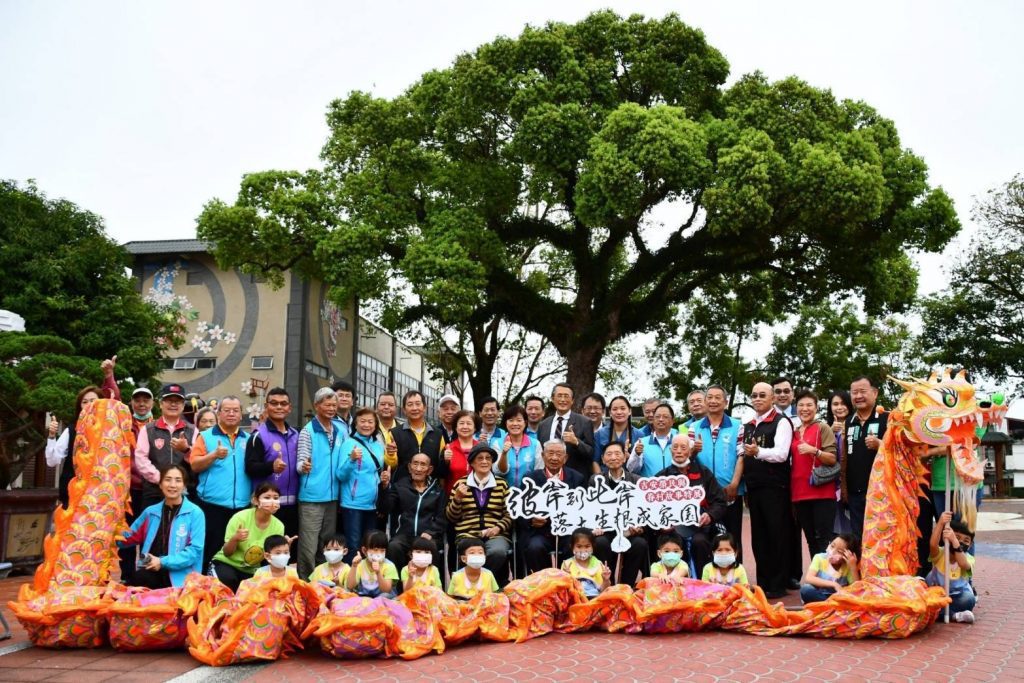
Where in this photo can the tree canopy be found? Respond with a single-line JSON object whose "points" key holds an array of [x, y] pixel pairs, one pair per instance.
{"points": [[977, 322], [583, 180], [68, 279]]}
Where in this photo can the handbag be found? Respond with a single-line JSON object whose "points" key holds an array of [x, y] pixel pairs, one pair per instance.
{"points": [[824, 474]]}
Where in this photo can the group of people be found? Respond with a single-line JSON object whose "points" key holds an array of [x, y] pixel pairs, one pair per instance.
{"points": [[375, 503]]}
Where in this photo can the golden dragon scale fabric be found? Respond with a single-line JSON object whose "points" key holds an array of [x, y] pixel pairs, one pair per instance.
{"points": [[64, 607], [72, 603], [939, 411]]}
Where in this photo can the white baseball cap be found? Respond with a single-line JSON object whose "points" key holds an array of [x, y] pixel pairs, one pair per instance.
{"points": [[450, 397]]}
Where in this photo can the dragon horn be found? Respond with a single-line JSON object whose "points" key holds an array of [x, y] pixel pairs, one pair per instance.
{"points": [[903, 383]]}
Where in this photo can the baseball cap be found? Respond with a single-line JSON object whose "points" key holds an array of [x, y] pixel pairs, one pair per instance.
{"points": [[142, 390], [450, 397], [173, 390]]}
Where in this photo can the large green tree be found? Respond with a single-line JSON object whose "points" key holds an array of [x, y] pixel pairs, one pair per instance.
{"points": [[583, 180], [978, 321], [68, 279]]}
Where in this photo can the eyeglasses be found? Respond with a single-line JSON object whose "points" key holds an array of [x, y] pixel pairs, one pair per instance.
{"points": [[760, 395], [783, 391], [278, 404]]}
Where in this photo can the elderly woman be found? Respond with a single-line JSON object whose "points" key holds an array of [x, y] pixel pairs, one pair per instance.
{"points": [[477, 510], [171, 533], [319, 458]]}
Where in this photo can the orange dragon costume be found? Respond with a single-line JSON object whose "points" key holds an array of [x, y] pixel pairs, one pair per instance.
{"points": [[73, 604]]}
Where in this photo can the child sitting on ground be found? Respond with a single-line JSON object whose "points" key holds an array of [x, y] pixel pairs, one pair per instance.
{"points": [[831, 570], [592, 574], [334, 571], [725, 569], [961, 565], [372, 574], [421, 569], [277, 553], [473, 578], [670, 563]]}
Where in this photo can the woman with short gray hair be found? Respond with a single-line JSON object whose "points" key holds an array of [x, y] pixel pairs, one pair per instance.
{"points": [[318, 459]]}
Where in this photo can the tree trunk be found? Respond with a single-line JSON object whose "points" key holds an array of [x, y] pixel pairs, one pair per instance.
{"points": [[583, 365]]}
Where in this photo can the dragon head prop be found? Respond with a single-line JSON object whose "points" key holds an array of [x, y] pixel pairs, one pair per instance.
{"points": [[941, 410]]}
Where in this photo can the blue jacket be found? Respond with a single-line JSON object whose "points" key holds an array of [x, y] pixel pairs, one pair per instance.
{"points": [[225, 482], [720, 455], [655, 458], [521, 461], [360, 479], [603, 437], [321, 484], [184, 544]]}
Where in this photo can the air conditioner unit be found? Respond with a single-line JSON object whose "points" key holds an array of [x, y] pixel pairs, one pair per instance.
{"points": [[185, 363]]}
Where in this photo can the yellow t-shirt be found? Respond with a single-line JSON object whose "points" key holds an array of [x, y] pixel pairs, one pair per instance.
{"points": [[431, 578], [589, 576], [730, 577], [290, 571], [367, 578], [324, 573], [460, 587], [680, 571]]}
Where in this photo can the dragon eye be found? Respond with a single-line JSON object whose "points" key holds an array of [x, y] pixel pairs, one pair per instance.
{"points": [[949, 397]]}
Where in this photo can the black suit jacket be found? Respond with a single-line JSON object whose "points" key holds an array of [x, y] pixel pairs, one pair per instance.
{"points": [[581, 457], [571, 478]]}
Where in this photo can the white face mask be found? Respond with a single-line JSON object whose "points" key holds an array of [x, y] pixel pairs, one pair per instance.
{"points": [[724, 560], [476, 561], [375, 557], [422, 559], [683, 465], [333, 556], [280, 561], [582, 555]]}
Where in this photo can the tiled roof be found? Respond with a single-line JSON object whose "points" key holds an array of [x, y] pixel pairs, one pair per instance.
{"points": [[166, 246]]}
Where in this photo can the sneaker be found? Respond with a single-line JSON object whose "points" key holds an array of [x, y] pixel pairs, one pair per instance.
{"points": [[965, 617]]}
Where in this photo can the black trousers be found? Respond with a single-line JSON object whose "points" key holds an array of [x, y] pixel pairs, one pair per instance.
{"points": [[733, 523], [127, 555], [925, 522], [796, 549], [857, 502], [816, 518], [634, 560], [217, 519], [229, 576], [150, 578], [538, 548], [771, 534]]}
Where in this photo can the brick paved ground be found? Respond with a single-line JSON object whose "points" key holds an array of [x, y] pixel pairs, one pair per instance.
{"points": [[990, 650]]}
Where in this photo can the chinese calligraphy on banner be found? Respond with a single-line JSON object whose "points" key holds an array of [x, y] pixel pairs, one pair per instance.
{"points": [[657, 502]]}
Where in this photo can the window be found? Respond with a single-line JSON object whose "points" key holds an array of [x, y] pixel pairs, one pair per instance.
{"points": [[257, 279], [194, 277], [431, 395], [317, 369], [192, 363], [371, 380], [405, 383], [262, 362]]}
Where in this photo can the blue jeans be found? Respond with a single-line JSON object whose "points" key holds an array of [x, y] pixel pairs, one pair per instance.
{"points": [[356, 523], [962, 601], [809, 593]]}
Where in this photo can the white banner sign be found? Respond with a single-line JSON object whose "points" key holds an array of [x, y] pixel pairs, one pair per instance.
{"points": [[656, 502]]}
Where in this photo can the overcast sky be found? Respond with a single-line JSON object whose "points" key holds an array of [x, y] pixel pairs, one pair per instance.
{"points": [[143, 111]]}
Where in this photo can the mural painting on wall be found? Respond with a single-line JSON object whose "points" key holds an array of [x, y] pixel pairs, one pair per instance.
{"points": [[205, 335], [336, 324]]}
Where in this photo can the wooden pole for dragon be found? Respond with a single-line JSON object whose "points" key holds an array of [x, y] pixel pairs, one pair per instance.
{"points": [[945, 555]]}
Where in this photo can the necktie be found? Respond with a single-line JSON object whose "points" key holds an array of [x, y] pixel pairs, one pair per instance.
{"points": [[558, 429]]}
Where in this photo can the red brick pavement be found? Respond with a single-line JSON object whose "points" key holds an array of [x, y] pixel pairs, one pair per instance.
{"points": [[990, 650]]}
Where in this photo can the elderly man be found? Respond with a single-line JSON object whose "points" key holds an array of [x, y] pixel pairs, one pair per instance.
{"points": [[535, 534], [319, 458], [417, 436], [766, 471], [634, 560], [720, 435], [218, 457], [695, 401], [713, 507]]}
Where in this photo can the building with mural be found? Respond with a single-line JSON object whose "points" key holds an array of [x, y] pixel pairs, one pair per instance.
{"points": [[245, 337]]}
